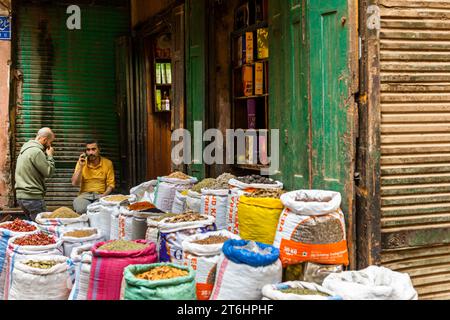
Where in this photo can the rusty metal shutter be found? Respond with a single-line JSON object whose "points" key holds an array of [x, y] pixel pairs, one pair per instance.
{"points": [[69, 82], [415, 142]]}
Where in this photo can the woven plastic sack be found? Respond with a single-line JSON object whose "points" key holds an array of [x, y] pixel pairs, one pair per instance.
{"points": [[274, 291], [58, 226], [100, 218], [145, 191], [70, 243], [82, 260], [214, 203], [179, 205], [166, 189], [194, 201]]}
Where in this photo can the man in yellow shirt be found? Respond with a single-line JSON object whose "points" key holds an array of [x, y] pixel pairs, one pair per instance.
{"points": [[94, 175]]}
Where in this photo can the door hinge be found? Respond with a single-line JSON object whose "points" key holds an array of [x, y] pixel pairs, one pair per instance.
{"points": [[286, 136]]}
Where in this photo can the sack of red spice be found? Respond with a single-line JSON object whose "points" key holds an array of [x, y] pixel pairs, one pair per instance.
{"points": [[10, 230], [22, 247]]}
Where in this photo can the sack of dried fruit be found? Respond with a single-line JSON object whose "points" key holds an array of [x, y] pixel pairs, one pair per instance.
{"points": [[82, 260], [312, 228], [244, 268], [159, 281], [297, 290], [179, 205], [109, 261], [194, 201], [61, 220], [22, 247], [174, 230], [259, 216], [167, 187], [45, 277], [100, 218], [79, 237], [10, 230], [201, 253], [244, 186], [214, 203], [145, 191]]}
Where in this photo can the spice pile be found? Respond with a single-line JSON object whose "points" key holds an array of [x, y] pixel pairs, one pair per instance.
{"points": [[38, 239], [304, 292], [123, 245], [306, 197], [19, 226], [41, 264], [204, 184], [266, 194], [62, 212], [116, 198], [256, 179], [212, 240], [164, 216], [179, 175], [141, 206], [80, 233], [319, 230], [189, 217], [162, 273], [220, 183]]}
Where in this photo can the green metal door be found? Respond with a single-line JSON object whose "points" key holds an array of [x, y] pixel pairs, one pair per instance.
{"points": [[69, 82], [196, 77]]}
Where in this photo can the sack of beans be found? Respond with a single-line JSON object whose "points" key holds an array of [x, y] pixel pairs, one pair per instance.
{"points": [[159, 281], [44, 277], [312, 228], [22, 247], [145, 191], [297, 290], [167, 187], [179, 205], [79, 237], [244, 268], [259, 213], [201, 253], [194, 201], [108, 264], [174, 230], [214, 203], [61, 220], [243, 186], [10, 230], [100, 218], [82, 260]]}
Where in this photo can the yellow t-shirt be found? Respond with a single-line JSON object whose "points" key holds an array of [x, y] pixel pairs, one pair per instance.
{"points": [[97, 179]]}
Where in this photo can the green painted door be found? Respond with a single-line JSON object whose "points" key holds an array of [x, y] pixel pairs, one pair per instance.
{"points": [[69, 83], [196, 78]]}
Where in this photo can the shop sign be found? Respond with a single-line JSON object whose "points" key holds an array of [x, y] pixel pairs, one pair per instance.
{"points": [[5, 28]]}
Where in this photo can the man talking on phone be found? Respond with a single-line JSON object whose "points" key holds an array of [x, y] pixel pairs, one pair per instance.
{"points": [[94, 175], [34, 164]]}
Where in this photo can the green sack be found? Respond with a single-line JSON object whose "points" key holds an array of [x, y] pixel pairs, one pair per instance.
{"points": [[182, 288]]}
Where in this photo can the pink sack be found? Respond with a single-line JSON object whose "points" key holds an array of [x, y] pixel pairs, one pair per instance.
{"points": [[108, 267]]}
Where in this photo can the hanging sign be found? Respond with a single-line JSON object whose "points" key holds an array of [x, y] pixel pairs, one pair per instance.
{"points": [[5, 28]]}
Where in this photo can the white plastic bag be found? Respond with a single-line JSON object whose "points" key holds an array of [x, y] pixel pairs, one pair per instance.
{"points": [[203, 259], [125, 225], [167, 187], [373, 283], [29, 283], [194, 201], [214, 203], [82, 259], [100, 218], [58, 226], [179, 203], [145, 191], [70, 243], [273, 291]]}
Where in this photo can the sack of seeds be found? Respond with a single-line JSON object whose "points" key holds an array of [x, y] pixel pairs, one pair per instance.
{"points": [[79, 237], [194, 201], [214, 203], [167, 187], [42, 278], [297, 290], [174, 230], [50, 223], [145, 191], [82, 260], [312, 228], [109, 261], [201, 253], [244, 268], [179, 205], [10, 230]]}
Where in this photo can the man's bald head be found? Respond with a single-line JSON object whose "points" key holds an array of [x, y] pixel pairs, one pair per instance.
{"points": [[45, 136]]}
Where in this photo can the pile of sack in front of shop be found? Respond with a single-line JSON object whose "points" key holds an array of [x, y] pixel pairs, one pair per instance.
{"points": [[174, 238]]}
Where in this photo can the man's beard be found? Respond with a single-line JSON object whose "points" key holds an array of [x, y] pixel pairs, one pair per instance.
{"points": [[92, 158]]}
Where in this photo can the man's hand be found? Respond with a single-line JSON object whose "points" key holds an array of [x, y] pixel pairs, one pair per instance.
{"points": [[50, 151], [82, 160]]}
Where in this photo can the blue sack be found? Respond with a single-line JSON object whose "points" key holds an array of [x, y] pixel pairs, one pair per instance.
{"points": [[234, 251]]}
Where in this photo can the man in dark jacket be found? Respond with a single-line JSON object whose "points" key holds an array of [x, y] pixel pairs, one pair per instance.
{"points": [[34, 164]]}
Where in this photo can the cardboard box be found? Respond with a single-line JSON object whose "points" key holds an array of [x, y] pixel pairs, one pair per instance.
{"points": [[251, 113], [247, 80], [262, 39], [259, 78], [158, 100], [168, 72], [158, 75]]}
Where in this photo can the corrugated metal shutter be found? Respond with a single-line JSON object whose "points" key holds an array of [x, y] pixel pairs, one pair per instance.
{"points": [[415, 129], [69, 83]]}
